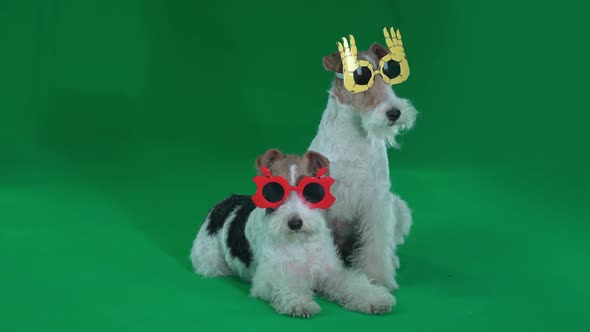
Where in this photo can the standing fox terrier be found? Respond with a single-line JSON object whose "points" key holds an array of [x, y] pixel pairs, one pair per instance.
{"points": [[279, 241], [362, 118]]}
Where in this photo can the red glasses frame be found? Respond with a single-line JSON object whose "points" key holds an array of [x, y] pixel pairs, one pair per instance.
{"points": [[324, 181]]}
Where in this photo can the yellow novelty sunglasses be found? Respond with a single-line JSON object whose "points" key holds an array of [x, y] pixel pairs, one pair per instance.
{"points": [[359, 75]]}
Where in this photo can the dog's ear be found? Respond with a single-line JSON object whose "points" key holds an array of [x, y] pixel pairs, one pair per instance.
{"points": [[333, 62], [379, 50], [316, 161], [268, 158]]}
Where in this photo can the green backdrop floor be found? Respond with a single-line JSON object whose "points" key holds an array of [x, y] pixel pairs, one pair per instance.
{"points": [[107, 250]]}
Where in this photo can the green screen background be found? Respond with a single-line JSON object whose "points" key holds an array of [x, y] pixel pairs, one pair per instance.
{"points": [[123, 122]]}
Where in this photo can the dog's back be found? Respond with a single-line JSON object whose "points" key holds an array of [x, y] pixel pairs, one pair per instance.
{"points": [[223, 231]]}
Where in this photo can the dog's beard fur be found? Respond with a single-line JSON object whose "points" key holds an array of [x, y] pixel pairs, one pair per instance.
{"points": [[378, 131]]}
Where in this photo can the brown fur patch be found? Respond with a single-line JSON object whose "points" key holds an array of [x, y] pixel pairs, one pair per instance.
{"points": [[333, 62], [379, 50], [316, 161], [268, 158], [363, 101], [280, 164]]}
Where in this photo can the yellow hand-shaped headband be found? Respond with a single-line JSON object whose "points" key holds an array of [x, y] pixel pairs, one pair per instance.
{"points": [[358, 75]]}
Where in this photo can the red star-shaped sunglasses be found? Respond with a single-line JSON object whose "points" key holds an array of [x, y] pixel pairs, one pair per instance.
{"points": [[272, 191]]}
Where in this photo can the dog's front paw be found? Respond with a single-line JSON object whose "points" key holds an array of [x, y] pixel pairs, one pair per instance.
{"points": [[381, 301], [304, 308], [377, 301]]}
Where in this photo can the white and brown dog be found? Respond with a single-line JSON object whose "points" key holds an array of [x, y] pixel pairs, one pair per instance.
{"points": [[367, 220], [287, 252]]}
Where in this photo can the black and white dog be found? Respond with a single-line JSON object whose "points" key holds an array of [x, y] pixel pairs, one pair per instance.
{"points": [[286, 251]]}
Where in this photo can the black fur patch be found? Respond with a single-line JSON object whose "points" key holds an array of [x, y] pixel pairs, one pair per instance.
{"points": [[236, 238], [221, 211], [346, 249]]}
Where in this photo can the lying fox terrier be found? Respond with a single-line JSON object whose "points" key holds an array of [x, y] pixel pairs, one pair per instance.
{"points": [[362, 119], [278, 240]]}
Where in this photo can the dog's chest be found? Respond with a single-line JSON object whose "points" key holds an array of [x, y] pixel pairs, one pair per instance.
{"points": [[361, 174], [354, 160], [359, 165], [311, 259]]}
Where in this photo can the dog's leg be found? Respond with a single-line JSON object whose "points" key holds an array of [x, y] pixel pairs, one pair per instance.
{"points": [[354, 291], [287, 291], [207, 254], [376, 254]]}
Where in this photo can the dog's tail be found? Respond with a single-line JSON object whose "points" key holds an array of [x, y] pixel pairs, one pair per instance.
{"points": [[403, 219]]}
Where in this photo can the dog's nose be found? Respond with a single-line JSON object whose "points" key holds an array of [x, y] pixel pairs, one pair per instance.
{"points": [[393, 114], [295, 224]]}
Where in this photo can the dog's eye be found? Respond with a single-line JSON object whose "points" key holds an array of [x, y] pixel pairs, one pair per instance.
{"points": [[362, 75], [391, 69], [313, 192], [273, 192]]}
